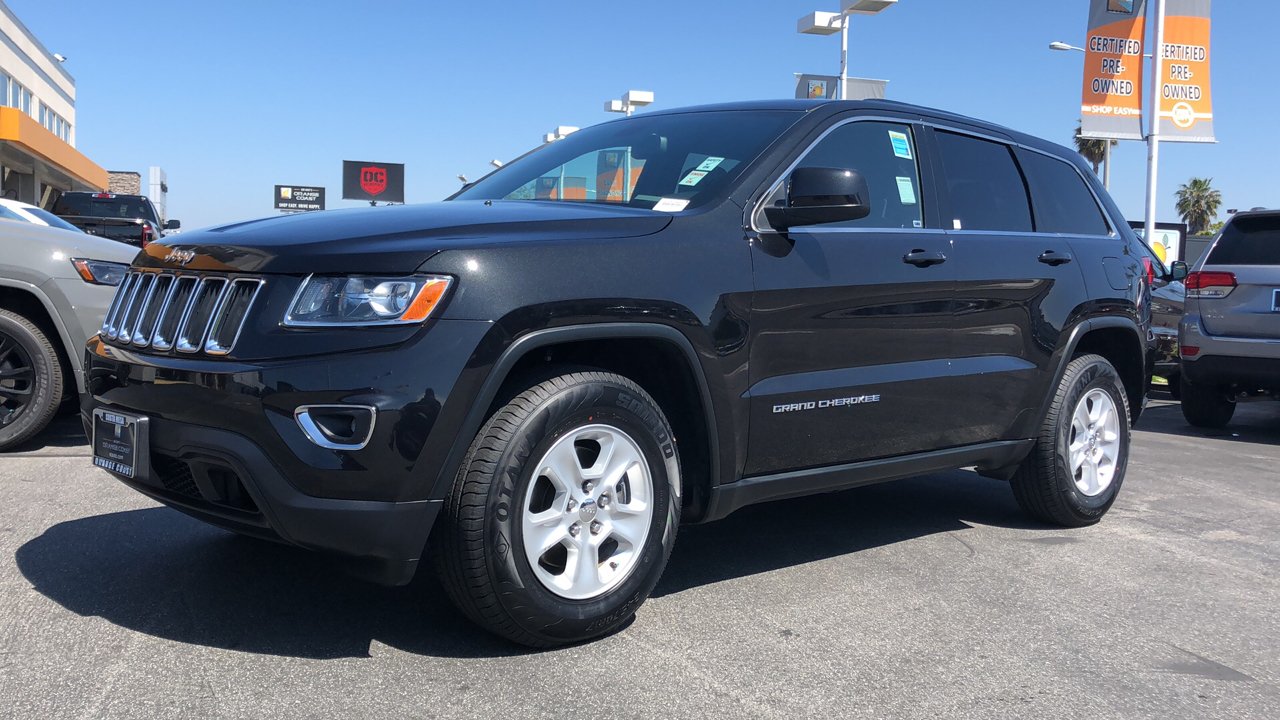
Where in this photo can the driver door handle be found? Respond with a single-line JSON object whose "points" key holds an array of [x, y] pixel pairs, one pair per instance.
{"points": [[924, 258], [1054, 258]]}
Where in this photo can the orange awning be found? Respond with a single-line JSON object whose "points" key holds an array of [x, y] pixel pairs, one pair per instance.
{"points": [[23, 131]]}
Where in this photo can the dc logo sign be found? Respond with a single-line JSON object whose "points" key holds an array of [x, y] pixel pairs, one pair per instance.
{"points": [[373, 180]]}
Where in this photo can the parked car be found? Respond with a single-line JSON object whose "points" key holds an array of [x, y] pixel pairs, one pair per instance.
{"points": [[128, 218], [55, 286], [1168, 296], [1230, 334], [538, 380], [15, 210]]}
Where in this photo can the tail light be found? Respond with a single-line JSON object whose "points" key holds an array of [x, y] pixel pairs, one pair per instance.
{"points": [[146, 235], [1210, 285], [1189, 351]]}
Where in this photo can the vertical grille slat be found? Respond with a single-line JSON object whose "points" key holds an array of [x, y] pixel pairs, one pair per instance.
{"points": [[205, 302], [178, 312], [231, 315]]}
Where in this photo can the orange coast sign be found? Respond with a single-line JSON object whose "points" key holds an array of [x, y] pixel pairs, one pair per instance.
{"points": [[1186, 105], [1111, 105]]}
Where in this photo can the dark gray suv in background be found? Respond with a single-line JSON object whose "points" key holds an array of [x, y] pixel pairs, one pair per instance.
{"points": [[1230, 331]]}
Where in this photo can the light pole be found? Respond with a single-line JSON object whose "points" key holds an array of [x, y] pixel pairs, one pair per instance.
{"points": [[829, 23], [561, 132], [1156, 8], [631, 100], [1106, 148]]}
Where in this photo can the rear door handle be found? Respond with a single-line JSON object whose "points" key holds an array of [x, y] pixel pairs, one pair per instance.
{"points": [[1054, 258], [924, 258]]}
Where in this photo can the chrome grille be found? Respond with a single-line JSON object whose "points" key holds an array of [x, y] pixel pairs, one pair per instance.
{"points": [[166, 311]]}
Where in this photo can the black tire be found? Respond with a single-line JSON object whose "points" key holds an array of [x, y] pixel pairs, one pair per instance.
{"points": [[1045, 485], [478, 548], [1206, 406], [1175, 386], [31, 380]]}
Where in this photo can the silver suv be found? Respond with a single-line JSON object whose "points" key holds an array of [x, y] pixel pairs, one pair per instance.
{"points": [[55, 286], [1230, 332]]}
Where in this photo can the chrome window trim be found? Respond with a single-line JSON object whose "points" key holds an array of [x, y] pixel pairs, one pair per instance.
{"points": [[935, 125], [773, 186], [210, 346]]}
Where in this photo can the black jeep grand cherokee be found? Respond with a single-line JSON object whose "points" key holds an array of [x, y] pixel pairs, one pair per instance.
{"points": [[656, 320]]}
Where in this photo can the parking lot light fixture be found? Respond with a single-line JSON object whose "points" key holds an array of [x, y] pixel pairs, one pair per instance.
{"points": [[631, 100], [1059, 45], [829, 23]]}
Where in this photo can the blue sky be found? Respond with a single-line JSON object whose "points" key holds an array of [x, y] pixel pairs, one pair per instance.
{"points": [[234, 97]]}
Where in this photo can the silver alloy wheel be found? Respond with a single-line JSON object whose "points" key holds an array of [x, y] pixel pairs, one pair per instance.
{"points": [[587, 512], [1094, 442]]}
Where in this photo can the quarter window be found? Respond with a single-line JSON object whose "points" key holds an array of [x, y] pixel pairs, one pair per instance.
{"points": [[984, 187], [1060, 198], [885, 155]]}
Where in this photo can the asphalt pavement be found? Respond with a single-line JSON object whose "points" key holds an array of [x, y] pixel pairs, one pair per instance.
{"points": [[925, 598]]}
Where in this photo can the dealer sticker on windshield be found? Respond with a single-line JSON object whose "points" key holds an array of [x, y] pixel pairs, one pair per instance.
{"points": [[671, 205], [901, 144], [693, 178]]}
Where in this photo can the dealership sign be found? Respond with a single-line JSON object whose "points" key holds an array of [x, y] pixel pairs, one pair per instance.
{"points": [[372, 181], [1111, 104], [299, 197], [1186, 108]]}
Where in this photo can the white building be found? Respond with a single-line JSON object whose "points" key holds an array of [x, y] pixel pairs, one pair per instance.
{"points": [[38, 157]]}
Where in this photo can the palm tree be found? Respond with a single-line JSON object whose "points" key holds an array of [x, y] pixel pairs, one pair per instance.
{"points": [[1094, 150], [1198, 204]]}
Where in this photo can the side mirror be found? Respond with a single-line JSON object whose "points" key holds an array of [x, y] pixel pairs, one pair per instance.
{"points": [[1179, 270], [173, 225], [821, 195]]}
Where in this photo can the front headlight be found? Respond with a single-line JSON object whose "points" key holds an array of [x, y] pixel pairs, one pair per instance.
{"points": [[100, 272], [327, 301]]}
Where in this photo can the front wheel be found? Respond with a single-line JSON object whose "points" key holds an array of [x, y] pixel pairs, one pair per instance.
{"points": [[563, 513], [31, 382], [1075, 470]]}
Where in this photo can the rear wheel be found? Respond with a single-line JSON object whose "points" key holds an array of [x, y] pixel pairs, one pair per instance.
{"points": [[1206, 406], [30, 380], [1075, 470], [563, 513]]}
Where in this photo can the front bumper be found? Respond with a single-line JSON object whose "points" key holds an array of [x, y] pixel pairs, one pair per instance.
{"points": [[224, 446]]}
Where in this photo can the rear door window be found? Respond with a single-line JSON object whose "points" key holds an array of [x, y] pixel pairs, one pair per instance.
{"points": [[1061, 200], [1248, 241], [885, 154], [984, 186]]}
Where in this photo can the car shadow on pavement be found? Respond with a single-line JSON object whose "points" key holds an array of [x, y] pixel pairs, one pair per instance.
{"points": [[1253, 422], [158, 572], [771, 536], [65, 432]]}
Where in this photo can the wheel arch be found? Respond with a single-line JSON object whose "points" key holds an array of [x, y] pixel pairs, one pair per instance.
{"points": [[1117, 339], [28, 300], [611, 347]]}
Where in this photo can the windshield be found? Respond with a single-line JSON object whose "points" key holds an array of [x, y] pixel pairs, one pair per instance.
{"points": [[660, 162], [50, 219], [104, 205]]}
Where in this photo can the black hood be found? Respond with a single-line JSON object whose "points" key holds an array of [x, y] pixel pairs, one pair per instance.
{"points": [[390, 239]]}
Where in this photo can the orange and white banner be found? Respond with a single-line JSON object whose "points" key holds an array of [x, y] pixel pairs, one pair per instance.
{"points": [[1186, 105], [1111, 105]]}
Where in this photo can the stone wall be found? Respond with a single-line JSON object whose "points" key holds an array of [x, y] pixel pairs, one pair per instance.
{"points": [[124, 182]]}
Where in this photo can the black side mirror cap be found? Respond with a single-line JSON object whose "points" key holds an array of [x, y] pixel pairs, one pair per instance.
{"points": [[173, 225], [1179, 271], [820, 195]]}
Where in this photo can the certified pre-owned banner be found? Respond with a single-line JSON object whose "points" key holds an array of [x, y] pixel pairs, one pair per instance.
{"points": [[1186, 110], [1112, 100]]}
